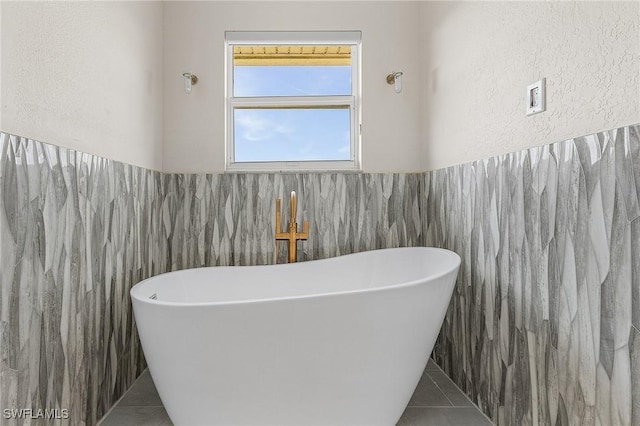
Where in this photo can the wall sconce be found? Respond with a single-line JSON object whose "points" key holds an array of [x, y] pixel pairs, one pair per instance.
{"points": [[395, 78], [189, 81]]}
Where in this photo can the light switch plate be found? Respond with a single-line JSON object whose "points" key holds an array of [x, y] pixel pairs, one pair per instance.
{"points": [[536, 97]]}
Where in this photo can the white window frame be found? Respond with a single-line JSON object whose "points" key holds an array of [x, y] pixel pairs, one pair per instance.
{"points": [[352, 38]]}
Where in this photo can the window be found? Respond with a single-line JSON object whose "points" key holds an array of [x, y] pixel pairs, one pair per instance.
{"points": [[292, 100]]}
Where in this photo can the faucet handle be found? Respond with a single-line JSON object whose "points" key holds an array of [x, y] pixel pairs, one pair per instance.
{"points": [[305, 231]]}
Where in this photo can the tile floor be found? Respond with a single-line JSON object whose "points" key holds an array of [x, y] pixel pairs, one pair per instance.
{"points": [[437, 401]]}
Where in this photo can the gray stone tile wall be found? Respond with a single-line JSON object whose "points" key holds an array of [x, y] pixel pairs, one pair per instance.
{"points": [[76, 232], [229, 219], [542, 328], [543, 324]]}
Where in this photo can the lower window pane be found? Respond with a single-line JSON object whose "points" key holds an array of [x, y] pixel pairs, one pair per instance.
{"points": [[292, 134]]}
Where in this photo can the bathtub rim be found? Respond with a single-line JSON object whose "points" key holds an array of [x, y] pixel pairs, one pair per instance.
{"points": [[133, 293]]}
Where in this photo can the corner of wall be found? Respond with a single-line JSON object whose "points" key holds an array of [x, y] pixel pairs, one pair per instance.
{"points": [[161, 161], [1, 72]]}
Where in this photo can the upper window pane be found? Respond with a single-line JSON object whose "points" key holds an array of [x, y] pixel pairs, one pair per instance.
{"points": [[291, 71]]}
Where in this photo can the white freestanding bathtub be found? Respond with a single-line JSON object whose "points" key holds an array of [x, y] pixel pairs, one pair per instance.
{"points": [[340, 341]]}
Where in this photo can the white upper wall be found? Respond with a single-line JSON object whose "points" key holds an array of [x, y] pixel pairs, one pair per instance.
{"points": [[85, 75], [89, 75], [480, 57], [194, 41]]}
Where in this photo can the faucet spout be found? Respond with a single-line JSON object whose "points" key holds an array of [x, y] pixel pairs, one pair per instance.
{"points": [[292, 235]]}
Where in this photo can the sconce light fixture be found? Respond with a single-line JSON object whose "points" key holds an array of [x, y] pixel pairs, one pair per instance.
{"points": [[189, 81], [395, 78]]}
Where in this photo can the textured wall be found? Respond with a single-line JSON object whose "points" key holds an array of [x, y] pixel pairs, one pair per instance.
{"points": [[94, 75], [78, 231], [543, 327], [480, 57], [85, 75], [229, 219]]}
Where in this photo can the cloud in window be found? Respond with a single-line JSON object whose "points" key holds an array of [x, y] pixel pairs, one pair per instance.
{"points": [[256, 126]]}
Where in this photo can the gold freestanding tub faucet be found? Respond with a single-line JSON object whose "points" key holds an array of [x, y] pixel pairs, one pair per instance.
{"points": [[292, 235]]}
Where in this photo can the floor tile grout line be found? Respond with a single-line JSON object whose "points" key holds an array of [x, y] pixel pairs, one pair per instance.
{"points": [[451, 381], [118, 405], [141, 406], [439, 388], [472, 407], [467, 407], [465, 395], [113, 407]]}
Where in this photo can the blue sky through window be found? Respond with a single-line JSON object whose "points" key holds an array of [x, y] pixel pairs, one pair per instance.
{"points": [[292, 134]]}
